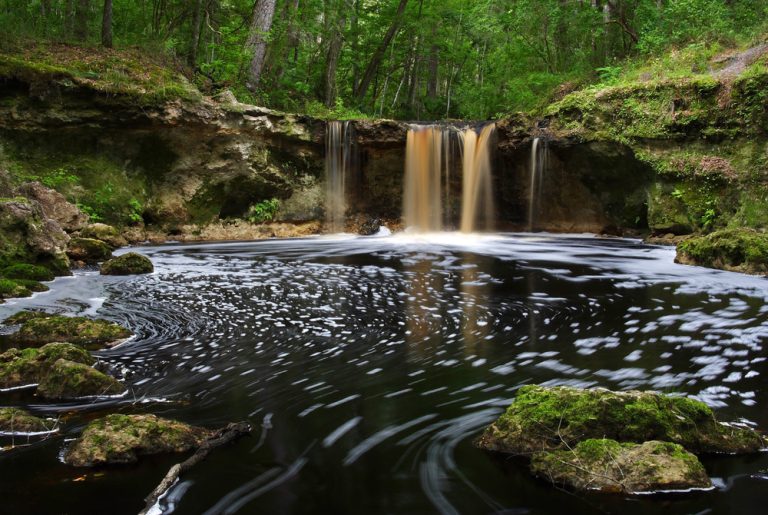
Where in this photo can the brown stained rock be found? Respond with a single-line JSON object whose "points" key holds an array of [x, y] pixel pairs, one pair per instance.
{"points": [[55, 206], [608, 466], [88, 250], [124, 438]]}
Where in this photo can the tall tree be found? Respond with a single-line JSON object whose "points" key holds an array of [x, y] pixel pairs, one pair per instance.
{"points": [[106, 25], [337, 25], [263, 13], [81, 20], [378, 55], [197, 19]]}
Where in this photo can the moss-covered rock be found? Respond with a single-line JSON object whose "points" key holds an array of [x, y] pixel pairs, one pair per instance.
{"points": [[609, 466], [88, 250], [28, 237], [67, 380], [128, 264], [19, 367], [27, 272], [666, 212], [740, 250], [15, 420], [103, 232], [33, 286], [40, 328], [123, 438], [543, 418], [10, 289]]}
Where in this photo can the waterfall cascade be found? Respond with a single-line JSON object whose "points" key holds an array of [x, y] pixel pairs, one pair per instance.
{"points": [[339, 161], [539, 158], [431, 154]]}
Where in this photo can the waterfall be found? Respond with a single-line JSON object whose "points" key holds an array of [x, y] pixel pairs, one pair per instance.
{"points": [[477, 207], [339, 143], [539, 158], [422, 204], [432, 152]]}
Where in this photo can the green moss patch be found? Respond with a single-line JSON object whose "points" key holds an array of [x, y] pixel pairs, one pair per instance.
{"points": [[544, 418], [128, 264], [67, 380], [10, 289], [15, 420], [741, 250], [123, 438], [39, 329], [609, 466], [19, 367], [88, 250], [28, 272]]}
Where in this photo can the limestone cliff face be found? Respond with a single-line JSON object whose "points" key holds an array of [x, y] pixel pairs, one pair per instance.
{"points": [[189, 161]]}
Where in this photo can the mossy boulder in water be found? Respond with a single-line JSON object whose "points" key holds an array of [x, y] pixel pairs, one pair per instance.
{"points": [[739, 250], [123, 438], [68, 380], [543, 418], [41, 328], [609, 466], [105, 233], [28, 272], [128, 264], [11, 289], [19, 367], [15, 420], [88, 250]]}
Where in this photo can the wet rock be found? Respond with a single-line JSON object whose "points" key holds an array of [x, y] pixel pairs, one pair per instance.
{"points": [[28, 237], [610, 466], [15, 420], [738, 250], [26, 271], [123, 438], [68, 380], [40, 328], [55, 206], [128, 264], [666, 212], [88, 250], [543, 418], [369, 227], [103, 232], [12, 289], [19, 367]]}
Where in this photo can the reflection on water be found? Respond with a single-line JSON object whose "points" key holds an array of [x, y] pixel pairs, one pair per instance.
{"points": [[367, 365]]}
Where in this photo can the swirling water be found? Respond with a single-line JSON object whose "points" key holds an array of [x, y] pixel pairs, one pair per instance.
{"points": [[368, 364]]}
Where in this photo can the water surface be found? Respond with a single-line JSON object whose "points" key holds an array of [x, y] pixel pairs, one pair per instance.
{"points": [[368, 365]]}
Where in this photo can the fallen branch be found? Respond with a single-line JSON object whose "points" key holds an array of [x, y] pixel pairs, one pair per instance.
{"points": [[221, 437]]}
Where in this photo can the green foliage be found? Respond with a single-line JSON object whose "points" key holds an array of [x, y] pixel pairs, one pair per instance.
{"points": [[263, 211]]}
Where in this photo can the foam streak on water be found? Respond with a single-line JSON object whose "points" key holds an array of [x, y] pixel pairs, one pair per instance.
{"points": [[372, 363]]}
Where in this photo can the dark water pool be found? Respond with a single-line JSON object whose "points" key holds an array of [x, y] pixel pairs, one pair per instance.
{"points": [[368, 365]]}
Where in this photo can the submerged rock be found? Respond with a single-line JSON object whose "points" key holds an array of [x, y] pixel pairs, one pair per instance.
{"points": [[128, 264], [15, 420], [40, 328], [19, 367], [103, 232], [738, 250], [88, 250], [123, 438], [543, 418], [609, 466], [369, 227], [67, 380]]}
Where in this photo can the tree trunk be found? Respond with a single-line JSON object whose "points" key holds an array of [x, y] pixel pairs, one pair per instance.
{"points": [[195, 43], [263, 12], [373, 65], [332, 58], [81, 20], [69, 19], [106, 25]]}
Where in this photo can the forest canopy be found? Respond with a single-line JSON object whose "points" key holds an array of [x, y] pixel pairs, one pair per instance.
{"points": [[407, 59]]}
